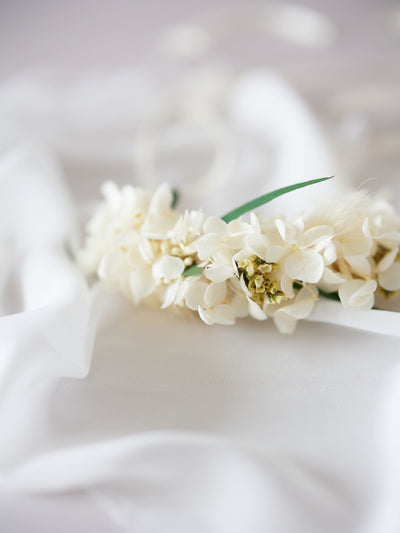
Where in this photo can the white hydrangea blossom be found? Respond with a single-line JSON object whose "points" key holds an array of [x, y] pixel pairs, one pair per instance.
{"points": [[261, 266]]}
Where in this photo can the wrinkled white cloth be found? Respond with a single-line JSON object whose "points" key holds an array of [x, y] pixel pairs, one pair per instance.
{"points": [[172, 425]]}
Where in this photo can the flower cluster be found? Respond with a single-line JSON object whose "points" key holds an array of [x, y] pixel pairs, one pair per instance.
{"points": [[262, 266]]}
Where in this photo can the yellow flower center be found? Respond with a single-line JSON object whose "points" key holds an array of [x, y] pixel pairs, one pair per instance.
{"points": [[257, 275]]}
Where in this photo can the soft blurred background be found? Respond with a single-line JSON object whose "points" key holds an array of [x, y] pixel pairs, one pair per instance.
{"points": [[225, 100], [209, 95]]}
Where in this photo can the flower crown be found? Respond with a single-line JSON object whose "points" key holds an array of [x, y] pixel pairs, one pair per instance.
{"points": [[234, 266]]}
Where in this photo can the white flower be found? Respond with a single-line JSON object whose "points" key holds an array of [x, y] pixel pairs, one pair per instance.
{"points": [[304, 262], [214, 310], [114, 265], [261, 283], [366, 242], [195, 292], [133, 276], [209, 300], [304, 265], [216, 302], [160, 218], [358, 293], [122, 210], [264, 240], [355, 249], [188, 227], [218, 246], [388, 268], [175, 293], [220, 314], [168, 268], [138, 243], [286, 316], [389, 279], [382, 225], [330, 281], [301, 252], [141, 283]]}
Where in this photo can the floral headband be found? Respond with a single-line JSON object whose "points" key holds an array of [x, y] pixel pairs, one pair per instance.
{"points": [[235, 266]]}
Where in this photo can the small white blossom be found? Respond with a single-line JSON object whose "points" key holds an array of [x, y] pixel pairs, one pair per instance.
{"points": [[389, 279], [168, 267], [357, 293], [262, 266], [218, 246], [220, 314], [304, 261], [286, 316]]}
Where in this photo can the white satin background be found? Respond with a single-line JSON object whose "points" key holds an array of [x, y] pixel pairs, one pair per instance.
{"points": [[168, 424]]}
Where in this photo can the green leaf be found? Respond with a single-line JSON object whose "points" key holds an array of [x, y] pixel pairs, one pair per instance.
{"points": [[193, 270], [175, 198], [265, 198], [329, 295]]}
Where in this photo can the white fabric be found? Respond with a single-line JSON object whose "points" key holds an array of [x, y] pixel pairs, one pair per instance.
{"points": [[175, 426]]}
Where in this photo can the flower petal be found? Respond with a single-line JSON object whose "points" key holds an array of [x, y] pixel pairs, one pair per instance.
{"points": [[145, 249], [112, 194], [221, 314], [287, 286], [171, 293], [281, 227], [235, 241], [305, 265], [206, 316], [357, 293], [256, 243], [356, 243], [240, 306], [390, 278], [284, 322], [390, 238], [168, 267], [359, 264], [112, 265], [367, 230], [332, 278], [141, 283], [215, 294], [298, 224], [207, 245], [218, 272], [215, 225], [194, 295], [126, 238], [303, 304], [388, 259], [314, 235], [255, 311], [254, 222], [273, 253], [330, 254], [162, 199], [244, 287], [286, 317]]}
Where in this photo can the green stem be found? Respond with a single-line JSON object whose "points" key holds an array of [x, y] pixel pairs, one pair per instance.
{"points": [[194, 270], [265, 198]]}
